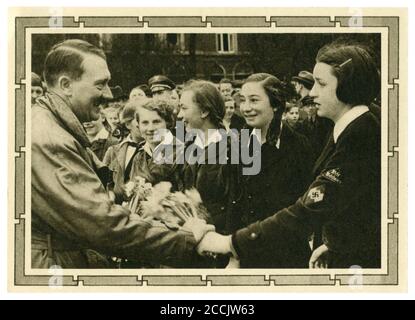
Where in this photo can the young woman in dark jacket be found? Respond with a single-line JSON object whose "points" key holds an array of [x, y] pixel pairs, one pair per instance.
{"points": [[207, 167], [285, 155], [156, 158], [342, 206]]}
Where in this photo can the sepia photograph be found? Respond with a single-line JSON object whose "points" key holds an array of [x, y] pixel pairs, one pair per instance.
{"points": [[197, 150]]}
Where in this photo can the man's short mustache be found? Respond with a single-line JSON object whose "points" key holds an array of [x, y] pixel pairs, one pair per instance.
{"points": [[101, 101]]}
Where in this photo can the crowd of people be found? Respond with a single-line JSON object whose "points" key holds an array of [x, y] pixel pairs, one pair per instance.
{"points": [[314, 202]]}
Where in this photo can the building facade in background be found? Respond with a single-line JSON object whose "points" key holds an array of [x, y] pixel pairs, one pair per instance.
{"points": [[134, 58]]}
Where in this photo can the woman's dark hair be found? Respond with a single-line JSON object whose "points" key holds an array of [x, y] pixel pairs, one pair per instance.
{"points": [[209, 99], [277, 93], [356, 71], [162, 109], [66, 58]]}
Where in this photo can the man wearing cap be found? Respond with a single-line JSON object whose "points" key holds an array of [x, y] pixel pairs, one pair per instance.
{"points": [[303, 84], [161, 88], [315, 128]]}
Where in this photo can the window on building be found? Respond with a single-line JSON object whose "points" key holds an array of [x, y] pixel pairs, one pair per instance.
{"points": [[226, 43], [175, 41], [172, 39]]}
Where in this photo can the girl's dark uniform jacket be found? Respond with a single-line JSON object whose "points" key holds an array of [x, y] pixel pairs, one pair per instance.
{"points": [[285, 174], [341, 207], [217, 182]]}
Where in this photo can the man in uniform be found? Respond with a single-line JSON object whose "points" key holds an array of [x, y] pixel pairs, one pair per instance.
{"points": [[303, 83], [161, 88]]}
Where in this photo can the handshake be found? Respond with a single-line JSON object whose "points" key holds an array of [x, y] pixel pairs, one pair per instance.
{"points": [[211, 242]]}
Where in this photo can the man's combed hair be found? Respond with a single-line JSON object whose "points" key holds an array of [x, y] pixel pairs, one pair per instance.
{"points": [[66, 58], [356, 71]]}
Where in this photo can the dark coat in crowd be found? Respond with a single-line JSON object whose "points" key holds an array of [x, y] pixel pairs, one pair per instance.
{"points": [[341, 207], [317, 131], [71, 210], [217, 183], [284, 176]]}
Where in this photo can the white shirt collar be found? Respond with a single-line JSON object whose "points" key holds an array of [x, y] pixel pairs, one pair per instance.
{"points": [[346, 119], [257, 133], [127, 139], [102, 134], [214, 136], [168, 139]]}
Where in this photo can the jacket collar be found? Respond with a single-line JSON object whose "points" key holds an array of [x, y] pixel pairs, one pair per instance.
{"points": [[127, 140], [60, 108], [346, 119], [257, 134]]}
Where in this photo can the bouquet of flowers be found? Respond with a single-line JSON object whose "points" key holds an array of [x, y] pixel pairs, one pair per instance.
{"points": [[136, 191], [160, 203]]}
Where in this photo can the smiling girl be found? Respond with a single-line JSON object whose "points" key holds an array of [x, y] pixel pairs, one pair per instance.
{"points": [[202, 110], [285, 156], [342, 205], [155, 120]]}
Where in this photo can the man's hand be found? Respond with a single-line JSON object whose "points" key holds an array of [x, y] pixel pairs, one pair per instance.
{"points": [[215, 243], [319, 258], [198, 227]]}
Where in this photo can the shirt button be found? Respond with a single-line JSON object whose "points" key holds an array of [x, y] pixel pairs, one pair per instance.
{"points": [[252, 212], [253, 236], [222, 208], [233, 202]]}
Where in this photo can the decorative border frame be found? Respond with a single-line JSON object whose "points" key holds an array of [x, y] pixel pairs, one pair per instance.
{"points": [[391, 278]]}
